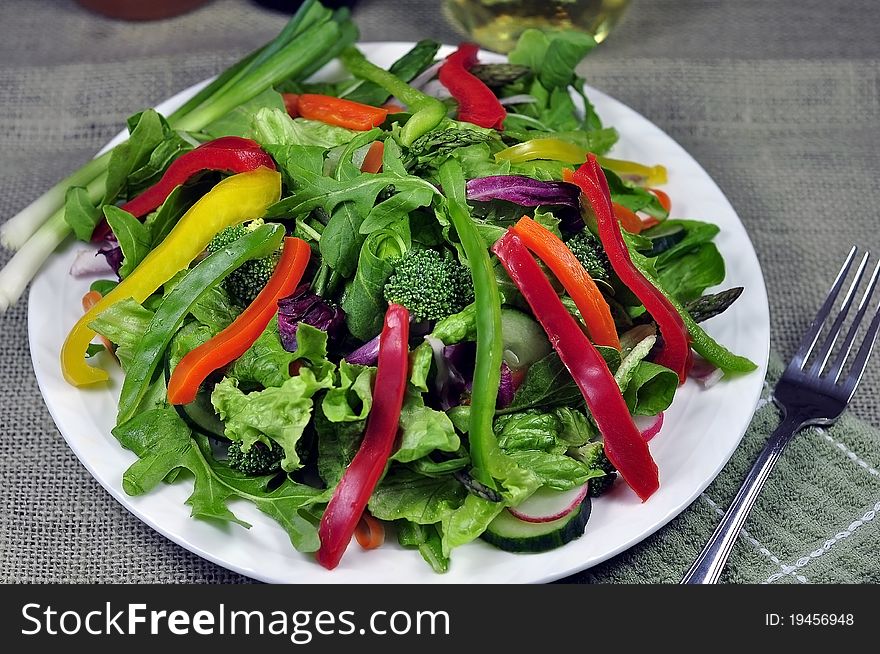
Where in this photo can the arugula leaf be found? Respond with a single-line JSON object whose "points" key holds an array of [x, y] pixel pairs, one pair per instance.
{"points": [[80, 214], [146, 131], [547, 384], [164, 445], [651, 389], [303, 166], [552, 54], [133, 237], [160, 158], [364, 300], [404, 494], [689, 275]]}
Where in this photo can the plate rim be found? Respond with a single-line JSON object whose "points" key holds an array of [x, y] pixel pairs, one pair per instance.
{"points": [[182, 540]]}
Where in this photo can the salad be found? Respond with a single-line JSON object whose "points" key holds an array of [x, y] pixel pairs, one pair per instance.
{"points": [[421, 300]]}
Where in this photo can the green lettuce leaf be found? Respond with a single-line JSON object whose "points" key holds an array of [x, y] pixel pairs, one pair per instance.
{"points": [[423, 430], [352, 398], [275, 127], [404, 494]]}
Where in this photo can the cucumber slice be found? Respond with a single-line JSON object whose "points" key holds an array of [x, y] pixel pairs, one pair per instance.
{"points": [[511, 534], [524, 340], [199, 414]]}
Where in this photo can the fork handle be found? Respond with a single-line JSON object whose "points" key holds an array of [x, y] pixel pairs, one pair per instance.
{"points": [[709, 564]]}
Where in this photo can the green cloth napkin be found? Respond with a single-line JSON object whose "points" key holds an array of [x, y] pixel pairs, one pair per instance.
{"points": [[817, 520]]}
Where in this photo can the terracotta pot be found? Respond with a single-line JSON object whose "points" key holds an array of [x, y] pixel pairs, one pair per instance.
{"points": [[141, 9]]}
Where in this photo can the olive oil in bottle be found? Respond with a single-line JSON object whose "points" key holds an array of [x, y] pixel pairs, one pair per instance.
{"points": [[497, 24]]}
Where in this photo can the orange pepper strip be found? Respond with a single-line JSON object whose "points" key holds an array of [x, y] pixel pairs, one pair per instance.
{"points": [[341, 112], [373, 160], [573, 277], [233, 341], [370, 533], [627, 218], [663, 196]]}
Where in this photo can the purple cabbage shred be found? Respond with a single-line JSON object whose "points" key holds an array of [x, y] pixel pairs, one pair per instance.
{"points": [[305, 306]]}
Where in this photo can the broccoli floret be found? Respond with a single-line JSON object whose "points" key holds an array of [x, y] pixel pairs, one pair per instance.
{"points": [[589, 252], [432, 286], [244, 283], [260, 459], [593, 455]]}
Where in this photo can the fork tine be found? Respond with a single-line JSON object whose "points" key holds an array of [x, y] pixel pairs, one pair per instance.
{"points": [[861, 360], [831, 339], [846, 348], [808, 342]]}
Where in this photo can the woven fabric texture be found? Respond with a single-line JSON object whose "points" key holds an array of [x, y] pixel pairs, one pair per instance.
{"points": [[779, 101]]}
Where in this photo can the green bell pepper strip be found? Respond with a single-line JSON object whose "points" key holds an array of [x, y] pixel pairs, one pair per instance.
{"points": [[168, 318], [487, 302], [427, 111]]}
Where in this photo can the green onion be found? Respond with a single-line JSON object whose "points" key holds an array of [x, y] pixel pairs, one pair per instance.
{"points": [[312, 38]]}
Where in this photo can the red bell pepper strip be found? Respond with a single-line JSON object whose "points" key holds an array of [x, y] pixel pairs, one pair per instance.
{"points": [[228, 154], [360, 478], [624, 445], [233, 341], [476, 102], [676, 351], [291, 104], [340, 112], [573, 277], [373, 161]]}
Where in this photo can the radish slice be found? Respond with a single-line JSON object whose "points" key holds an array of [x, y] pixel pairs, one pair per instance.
{"points": [[704, 373], [87, 262], [649, 425], [547, 505]]}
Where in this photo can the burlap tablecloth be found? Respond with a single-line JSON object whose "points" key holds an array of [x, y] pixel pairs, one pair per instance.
{"points": [[780, 102]]}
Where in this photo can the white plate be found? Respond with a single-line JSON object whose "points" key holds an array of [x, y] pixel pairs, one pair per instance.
{"points": [[701, 430]]}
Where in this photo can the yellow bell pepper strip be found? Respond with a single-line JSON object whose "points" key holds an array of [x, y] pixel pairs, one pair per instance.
{"points": [[573, 277], [258, 243], [232, 201], [547, 148], [645, 175], [559, 150]]}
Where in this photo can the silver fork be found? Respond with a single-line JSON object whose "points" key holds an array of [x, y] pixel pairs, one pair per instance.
{"points": [[806, 395]]}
